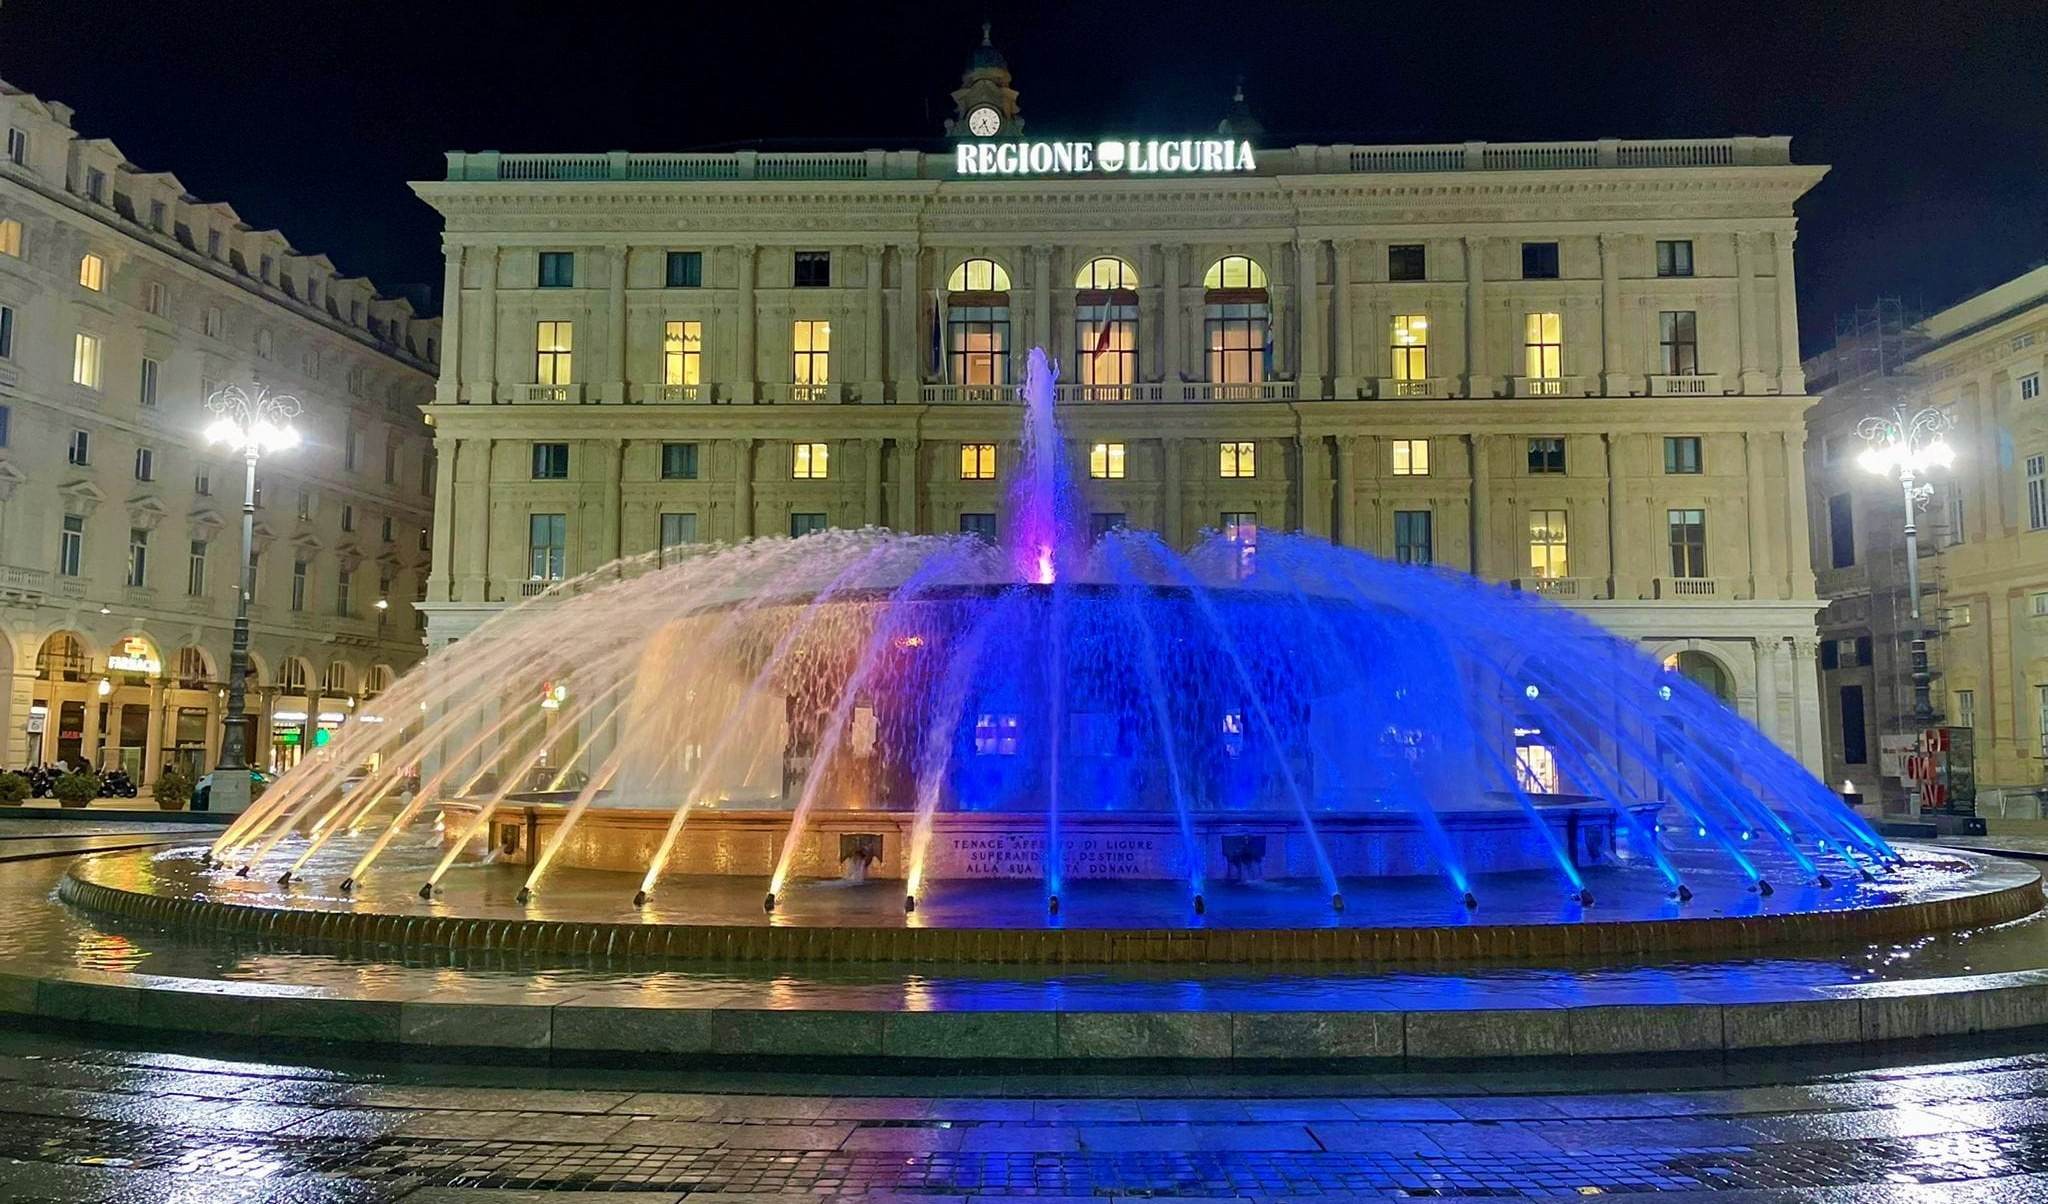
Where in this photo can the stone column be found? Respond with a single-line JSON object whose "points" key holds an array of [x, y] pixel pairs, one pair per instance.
{"points": [[16, 743], [1173, 317], [1482, 507], [871, 382], [1308, 349], [1613, 372], [1763, 580], [1478, 382], [1768, 716], [1170, 525], [153, 742], [1752, 380], [1344, 359], [1041, 306], [89, 743], [1344, 502], [743, 488], [1807, 743], [616, 372], [907, 336], [745, 362], [486, 389], [907, 453], [1790, 378], [448, 391], [871, 464]]}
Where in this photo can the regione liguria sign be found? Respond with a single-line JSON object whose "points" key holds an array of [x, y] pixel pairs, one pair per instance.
{"points": [[1136, 157]]}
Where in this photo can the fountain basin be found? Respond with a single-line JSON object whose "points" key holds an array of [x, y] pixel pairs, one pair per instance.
{"points": [[1238, 846]]}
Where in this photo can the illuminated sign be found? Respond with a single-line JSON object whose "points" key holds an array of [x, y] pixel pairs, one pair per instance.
{"points": [[1148, 157], [135, 656]]}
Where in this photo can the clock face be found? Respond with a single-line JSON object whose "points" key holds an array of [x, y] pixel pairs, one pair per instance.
{"points": [[984, 122]]}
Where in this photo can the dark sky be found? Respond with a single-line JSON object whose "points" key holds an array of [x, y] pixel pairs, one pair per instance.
{"points": [[312, 116]]}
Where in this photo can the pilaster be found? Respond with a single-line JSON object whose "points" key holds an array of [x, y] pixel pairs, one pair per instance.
{"points": [[1613, 372], [1791, 379], [1308, 349], [1172, 369], [1747, 329], [615, 331], [486, 388], [746, 363], [448, 390], [1478, 383], [1344, 358], [743, 488], [871, 384]]}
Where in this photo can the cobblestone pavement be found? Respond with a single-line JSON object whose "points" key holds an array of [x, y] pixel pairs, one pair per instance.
{"points": [[92, 1120]]}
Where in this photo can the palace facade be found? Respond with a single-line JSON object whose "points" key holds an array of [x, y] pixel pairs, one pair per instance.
{"points": [[124, 304], [1569, 366]]}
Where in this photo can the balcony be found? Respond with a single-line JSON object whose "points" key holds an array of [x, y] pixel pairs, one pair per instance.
{"points": [[1568, 589], [967, 394], [1549, 386], [10, 377], [798, 394], [1109, 393], [675, 394], [535, 588], [1389, 388], [1697, 385], [23, 585], [1688, 587], [1265, 390], [547, 394]]}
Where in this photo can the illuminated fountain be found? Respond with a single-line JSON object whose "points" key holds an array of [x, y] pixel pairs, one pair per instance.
{"points": [[938, 716]]}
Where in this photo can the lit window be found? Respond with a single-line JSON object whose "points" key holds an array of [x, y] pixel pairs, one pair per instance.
{"points": [[1674, 257], [92, 273], [1106, 327], [1682, 455], [1543, 353], [1411, 457], [1107, 272], [547, 545], [1688, 542], [1106, 461], [1409, 349], [554, 343], [1234, 271], [682, 353], [685, 269], [811, 462], [1413, 543], [812, 371], [678, 461], [977, 461], [557, 269], [10, 237], [1238, 323], [1547, 544], [978, 276], [995, 735], [1546, 455], [1240, 459], [978, 328], [1679, 336], [85, 360]]}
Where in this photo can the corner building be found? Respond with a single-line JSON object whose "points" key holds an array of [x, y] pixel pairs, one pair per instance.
{"points": [[125, 302], [1570, 366]]}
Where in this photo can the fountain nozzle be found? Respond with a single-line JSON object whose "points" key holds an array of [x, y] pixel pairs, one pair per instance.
{"points": [[639, 898], [1585, 897], [1823, 880], [1471, 901], [768, 904], [243, 872], [1201, 907], [1763, 887], [1867, 875], [427, 891], [1336, 902], [1052, 905], [347, 885], [1683, 894], [285, 879], [525, 895], [909, 904]]}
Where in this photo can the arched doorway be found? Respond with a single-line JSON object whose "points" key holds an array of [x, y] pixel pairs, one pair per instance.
{"points": [[193, 698], [64, 714], [1704, 671]]}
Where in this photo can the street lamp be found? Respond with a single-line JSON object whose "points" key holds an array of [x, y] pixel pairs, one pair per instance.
{"points": [[1910, 448], [255, 423]]}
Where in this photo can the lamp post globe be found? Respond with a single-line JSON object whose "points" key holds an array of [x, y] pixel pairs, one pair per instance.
{"points": [[1909, 447], [252, 421]]}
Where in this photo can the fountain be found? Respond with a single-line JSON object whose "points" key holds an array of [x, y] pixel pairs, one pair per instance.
{"points": [[1055, 733]]}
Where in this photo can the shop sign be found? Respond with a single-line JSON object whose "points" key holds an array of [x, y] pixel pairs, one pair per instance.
{"points": [[1138, 157], [135, 655], [38, 719], [287, 716]]}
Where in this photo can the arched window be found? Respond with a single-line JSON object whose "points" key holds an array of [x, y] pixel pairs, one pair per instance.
{"points": [[192, 671], [335, 684], [1237, 320], [10, 237], [1106, 328], [1703, 671], [293, 679], [978, 328], [62, 659], [376, 681]]}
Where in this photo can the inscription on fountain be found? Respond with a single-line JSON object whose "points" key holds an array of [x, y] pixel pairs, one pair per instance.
{"points": [[1022, 855]]}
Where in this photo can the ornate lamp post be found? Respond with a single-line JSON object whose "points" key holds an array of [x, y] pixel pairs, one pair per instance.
{"points": [[1909, 448], [254, 422]]}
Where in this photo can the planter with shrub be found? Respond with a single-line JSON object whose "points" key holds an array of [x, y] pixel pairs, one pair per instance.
{"points": [[77, 788], [14, 789], [173, 790]]}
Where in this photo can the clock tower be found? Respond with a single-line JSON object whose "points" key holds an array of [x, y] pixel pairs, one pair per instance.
{"points": [[985, 105]]}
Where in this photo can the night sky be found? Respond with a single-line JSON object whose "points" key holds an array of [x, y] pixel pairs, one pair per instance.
{"points": [[312, 116]]}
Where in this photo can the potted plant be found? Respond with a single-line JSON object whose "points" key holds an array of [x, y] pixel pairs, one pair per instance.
{"points": [[77, 788], [173, 787], [14, 789]]}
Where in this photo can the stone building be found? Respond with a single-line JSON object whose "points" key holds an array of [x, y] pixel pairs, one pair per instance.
{"points": [[1572, 365], [124, 303], [1983, 541]]}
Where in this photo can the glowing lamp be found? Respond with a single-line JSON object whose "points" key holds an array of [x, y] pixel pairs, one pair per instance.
{"points": [[106, 687]]}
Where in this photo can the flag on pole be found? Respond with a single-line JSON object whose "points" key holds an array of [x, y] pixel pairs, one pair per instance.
{"points": [[1102, 336]]}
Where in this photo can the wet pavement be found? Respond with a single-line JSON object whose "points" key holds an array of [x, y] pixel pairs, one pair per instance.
{"points": [[88, 1118]]}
